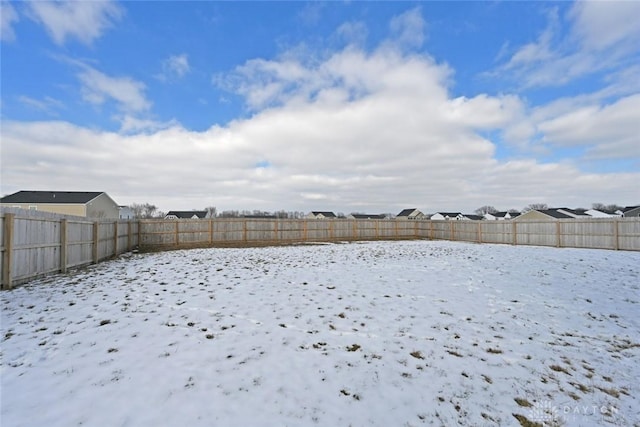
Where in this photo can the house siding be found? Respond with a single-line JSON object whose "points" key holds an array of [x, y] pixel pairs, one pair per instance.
{"points": [[64, 209], [103, 206]]}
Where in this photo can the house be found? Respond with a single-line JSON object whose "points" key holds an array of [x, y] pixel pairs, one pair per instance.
{"points": [[411, 213], [89, 204], [630, 211], [442, 216], [500, 216], [321, 215], [125, 212], [366, 216], [470, 217], [542, 214], [186, 215]]}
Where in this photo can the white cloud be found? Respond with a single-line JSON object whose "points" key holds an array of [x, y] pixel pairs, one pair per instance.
{"points": [[408, 28], [617, 124], [601, 25], [82, 20], [371, 131], [174, 67], [98, 88], [8, 16], [600, 36]]}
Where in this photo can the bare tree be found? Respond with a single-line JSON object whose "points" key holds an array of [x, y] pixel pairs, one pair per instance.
{"points": [[145, 210], [212, 211], [535, 206], [486, 210]]}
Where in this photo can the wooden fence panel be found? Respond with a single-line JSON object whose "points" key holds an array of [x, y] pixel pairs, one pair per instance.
{"points": [[79, 243], [628, 234], [43, 242]]}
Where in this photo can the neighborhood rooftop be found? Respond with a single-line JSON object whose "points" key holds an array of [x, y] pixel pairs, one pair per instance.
{"points": [[51, 197]]}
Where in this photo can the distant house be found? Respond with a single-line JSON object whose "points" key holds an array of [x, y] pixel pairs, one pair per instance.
{"points": [[500, 216], [186, 215], [125, 212], [470, 217], [411, 213], [89, 204], [366, 216], [442, 216], [542, 214], [630, 211], [321, 215]]}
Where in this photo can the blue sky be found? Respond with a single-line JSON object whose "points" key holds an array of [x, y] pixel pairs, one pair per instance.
{"points": [[348, 106]]}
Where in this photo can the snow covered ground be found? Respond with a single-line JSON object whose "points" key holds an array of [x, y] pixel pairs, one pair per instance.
{"points": [[378, 333]]}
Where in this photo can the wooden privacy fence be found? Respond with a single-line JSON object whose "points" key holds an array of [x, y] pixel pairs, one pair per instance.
{"points": [[614, 233], [253, 231], [38, 243]]}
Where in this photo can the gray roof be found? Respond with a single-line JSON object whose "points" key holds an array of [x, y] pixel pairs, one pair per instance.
{"points": [[58, 197], [406, 212], [554, 213], [325, 214], [473, 217], [449, 214], [368, 216], [187, 214]]}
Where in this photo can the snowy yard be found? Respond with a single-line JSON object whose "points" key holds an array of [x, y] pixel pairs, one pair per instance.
{"points": [[378, 333]]}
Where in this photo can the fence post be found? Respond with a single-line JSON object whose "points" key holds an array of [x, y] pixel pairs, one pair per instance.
{"points": [[9, 219], [452, 233], [139, 243], [210, 231], [96, 240], [63, 245], [515, 233], [558, 238], [430, 230], [177, 234], [616, 234], [479, 231]]}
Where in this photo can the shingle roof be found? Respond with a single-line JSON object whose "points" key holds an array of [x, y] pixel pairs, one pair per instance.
{"points": [[473, 217], [554, 213], [187, 214], [325, 214], [406, 212], [368, 216], [63, 197], [449, 214]]}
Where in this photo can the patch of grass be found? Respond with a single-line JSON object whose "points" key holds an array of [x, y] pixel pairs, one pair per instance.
{"points": [[209, 336], [610, 391], [454, 353], [523, 402], [105, 322], [354, 347], [524, 422], [342, 315], [487, 379], [494, 350], [417, 354], [583, 388], [112, 350], [558, 368], [573, 395]]}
